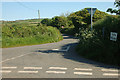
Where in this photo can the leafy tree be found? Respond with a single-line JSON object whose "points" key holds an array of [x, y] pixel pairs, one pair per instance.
{"points": [[59, 21], [46, 21], [114, 10], [81, 19]]}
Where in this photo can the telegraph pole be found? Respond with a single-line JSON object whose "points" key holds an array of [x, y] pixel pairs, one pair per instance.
{"points": [[91, 18], [39, 15]]}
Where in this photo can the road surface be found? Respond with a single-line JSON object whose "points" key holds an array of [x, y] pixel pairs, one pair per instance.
{"points": [[52, 60]]}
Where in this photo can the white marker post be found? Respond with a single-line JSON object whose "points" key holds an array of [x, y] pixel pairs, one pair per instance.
{"points": [[92, 12]]}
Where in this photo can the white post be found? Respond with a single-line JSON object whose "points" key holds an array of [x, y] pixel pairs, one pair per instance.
{"points": [[91, 18]]}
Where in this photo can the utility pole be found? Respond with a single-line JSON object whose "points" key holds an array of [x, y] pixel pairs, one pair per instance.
{"points": [[91, 18], [39, 15]]}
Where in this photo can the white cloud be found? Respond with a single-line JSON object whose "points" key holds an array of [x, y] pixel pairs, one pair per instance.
{"points": [[58, 0]]}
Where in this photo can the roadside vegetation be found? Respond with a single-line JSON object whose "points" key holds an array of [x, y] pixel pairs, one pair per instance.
{"points": [[70, 24], [93, 44], [96, 44], [20, 34]]}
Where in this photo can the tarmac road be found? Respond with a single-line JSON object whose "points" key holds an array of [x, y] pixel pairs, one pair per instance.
{"points": [[52, 60]]}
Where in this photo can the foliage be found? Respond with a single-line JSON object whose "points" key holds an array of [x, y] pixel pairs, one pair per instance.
{"points": [[96, 46], [81, 19], [76, 20], [59, 21], [24, 34], [46, 21], [114, 10]]}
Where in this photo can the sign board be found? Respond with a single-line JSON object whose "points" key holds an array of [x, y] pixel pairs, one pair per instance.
{"points": [[113, 36], [92, 9]]}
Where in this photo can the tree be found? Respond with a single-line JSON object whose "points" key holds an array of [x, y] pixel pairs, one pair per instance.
{"points": [[46, 21], [81, 19], [59, 21], [117, 4]]}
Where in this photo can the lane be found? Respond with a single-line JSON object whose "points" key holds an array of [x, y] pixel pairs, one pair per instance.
{"points": [[52, 60]]}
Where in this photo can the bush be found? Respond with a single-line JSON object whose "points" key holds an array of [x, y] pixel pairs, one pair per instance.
{"points": [[24, 34], [93, 45], [81, 19]]}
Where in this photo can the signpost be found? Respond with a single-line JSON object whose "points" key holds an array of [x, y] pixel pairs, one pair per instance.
{"points": [[92, 12], [113, 36]]}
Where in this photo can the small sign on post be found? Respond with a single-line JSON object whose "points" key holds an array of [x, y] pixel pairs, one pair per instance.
{"points": [[113, 36], [91, 10]]}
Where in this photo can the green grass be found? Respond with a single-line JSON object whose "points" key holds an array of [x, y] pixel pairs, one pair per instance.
{"points": [[21, 34]]}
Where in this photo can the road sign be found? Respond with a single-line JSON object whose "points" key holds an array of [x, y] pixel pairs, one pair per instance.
{"points": [[91, 9], [92, 12], [113, 36]]}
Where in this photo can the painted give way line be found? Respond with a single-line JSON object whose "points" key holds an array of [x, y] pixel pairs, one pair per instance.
{"points": [[62, 68], [32, 67], [57, 72], [27, 71]]}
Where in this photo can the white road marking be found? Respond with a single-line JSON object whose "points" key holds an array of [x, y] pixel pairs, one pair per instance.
{"points": [[110, 74], [56, 72], [32, 67], [9, 67], [83, 69], [5, 71], [111, 70], [62, 50], [27, 71], [55, 49], [15, 57], [62, 68], [67, 48], [83, 73]]}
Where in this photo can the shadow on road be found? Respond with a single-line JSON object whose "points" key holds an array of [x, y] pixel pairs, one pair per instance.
{"points": [[73, 55]]}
